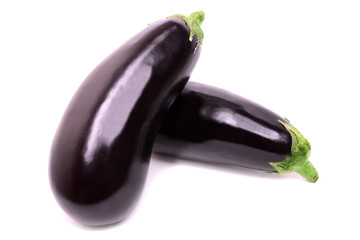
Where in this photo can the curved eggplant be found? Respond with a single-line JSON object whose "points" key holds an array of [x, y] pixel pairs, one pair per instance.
{"points": [[213, 125], [100, 154]]}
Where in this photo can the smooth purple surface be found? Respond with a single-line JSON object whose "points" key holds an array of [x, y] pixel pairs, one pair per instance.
{"points": [[213, 125], [100, 153]]}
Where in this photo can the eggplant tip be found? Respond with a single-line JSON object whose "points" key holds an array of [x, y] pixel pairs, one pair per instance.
{"points": [[193, 21], [299, 160]]}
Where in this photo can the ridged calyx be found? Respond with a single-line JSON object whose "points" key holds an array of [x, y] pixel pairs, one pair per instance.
{"points": [[299, 160]]}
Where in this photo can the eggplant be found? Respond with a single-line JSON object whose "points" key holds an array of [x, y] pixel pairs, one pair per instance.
{"points": [[100, 153], [212, 125]]}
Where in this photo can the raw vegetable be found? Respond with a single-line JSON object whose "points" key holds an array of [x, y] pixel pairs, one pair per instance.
{"points": [[213, 125], [100, 154]]}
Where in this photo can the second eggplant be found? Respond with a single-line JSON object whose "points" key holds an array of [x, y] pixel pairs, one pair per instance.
{"points": [[216, 126]]}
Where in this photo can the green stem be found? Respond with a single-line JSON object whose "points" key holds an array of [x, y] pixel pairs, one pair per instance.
{"points": [[308, 171], [193, 21], [299, 160]]}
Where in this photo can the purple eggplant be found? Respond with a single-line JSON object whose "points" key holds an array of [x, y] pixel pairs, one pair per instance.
{"points": [[100, 154], [212, 125]]}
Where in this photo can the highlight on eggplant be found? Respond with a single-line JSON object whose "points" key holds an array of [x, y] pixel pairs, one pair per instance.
{"points": [[212, 125], [101, 150]]}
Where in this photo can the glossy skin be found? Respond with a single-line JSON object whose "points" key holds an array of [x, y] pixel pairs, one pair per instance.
{"points": [[212, 125], [100, 153]]}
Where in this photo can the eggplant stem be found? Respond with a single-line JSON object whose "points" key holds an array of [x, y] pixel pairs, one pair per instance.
{"points": [[299, 161], [193, 21]]}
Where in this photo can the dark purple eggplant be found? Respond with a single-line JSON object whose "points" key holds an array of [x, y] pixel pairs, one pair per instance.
{"points": [[100, 154], [215, 126]]}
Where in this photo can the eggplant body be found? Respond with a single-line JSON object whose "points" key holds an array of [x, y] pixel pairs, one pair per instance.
{"points": [[213, 125], [101, 151]]}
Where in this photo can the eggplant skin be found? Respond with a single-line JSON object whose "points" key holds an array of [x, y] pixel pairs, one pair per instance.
{"points": [[216, 126], [100, 153]]}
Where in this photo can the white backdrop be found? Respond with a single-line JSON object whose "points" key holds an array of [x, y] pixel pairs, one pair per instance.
{"points": [[300, 59]]}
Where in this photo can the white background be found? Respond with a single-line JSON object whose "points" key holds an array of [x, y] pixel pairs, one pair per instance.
{"points": [[300, 59]]}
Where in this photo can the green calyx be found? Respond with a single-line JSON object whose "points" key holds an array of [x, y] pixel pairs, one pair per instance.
{"points": [[299, 161], [193, 21]]}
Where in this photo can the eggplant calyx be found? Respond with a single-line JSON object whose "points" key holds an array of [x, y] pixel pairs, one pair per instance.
{"points": [[299, 161], [193, 21]]}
